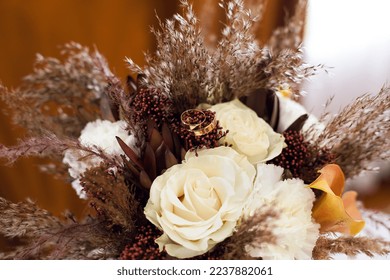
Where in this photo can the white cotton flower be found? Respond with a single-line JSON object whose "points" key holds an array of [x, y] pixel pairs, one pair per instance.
{"points": [[291, 110], [76, 185], [100, 133], [296, 232]]}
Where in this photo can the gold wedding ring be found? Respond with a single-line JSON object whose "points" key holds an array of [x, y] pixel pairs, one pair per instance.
{"points": [[206, 129], [194, 120], [188, 121]]}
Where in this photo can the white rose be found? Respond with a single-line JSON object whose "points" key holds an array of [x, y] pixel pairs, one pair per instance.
{"points": [[197, 203], [248, 134]]}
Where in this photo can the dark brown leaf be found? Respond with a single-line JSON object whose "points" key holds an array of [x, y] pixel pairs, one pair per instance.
{"points": [[130, 153], [150, 161], [298, 123], [167, 136], [160, 158], [107, 108], [266, 105], [155, 139], [145, 180], [170, 159]]}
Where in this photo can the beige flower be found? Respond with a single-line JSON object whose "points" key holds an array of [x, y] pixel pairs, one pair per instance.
{"points": [[295, 231], [248, 134], [197, 203]]}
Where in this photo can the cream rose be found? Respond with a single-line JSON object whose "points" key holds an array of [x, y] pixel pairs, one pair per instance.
{"points": [[248, 134], [197, 203]]}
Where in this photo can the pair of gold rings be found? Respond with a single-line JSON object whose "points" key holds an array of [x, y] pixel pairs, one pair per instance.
{"points": [[195, 120]]}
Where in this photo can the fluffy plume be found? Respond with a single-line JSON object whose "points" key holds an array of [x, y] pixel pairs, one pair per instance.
{"points": [[60, 97], [36, 146], [290, 35], [191, 73], [25, 219], [357, 141], [254, 230], [111, 198], [49, 145], [48, 237], [350, 246]]}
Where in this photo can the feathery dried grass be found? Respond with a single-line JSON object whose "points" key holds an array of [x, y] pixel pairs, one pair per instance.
{"points": [[357, 140], [60, 97], [252, 231], [290, 35], [45, 236], [25, 219], [189, 73], [52, 146], [112, 199], [47, 145], [180, 65], [350, 246]]}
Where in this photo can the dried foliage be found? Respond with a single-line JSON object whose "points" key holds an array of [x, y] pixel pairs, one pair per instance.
{"points": [[60, 97], [25, 219], [290, 35], [36, 146], [357, 140], [184, 69], [253, 231], [50, 145], [350, 246], [47, 237], [114, 202]]}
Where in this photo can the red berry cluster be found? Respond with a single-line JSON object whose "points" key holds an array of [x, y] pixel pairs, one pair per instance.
{"points": [[294, 156], [300, 158], [150, 103], [144, 246]]}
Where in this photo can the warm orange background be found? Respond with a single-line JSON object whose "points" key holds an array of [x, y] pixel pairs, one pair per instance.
{"points": [[118, 29]]}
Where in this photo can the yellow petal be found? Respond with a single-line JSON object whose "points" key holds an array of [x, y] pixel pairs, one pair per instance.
{"points": [[331, 180], [331, 211], [357, 223]]}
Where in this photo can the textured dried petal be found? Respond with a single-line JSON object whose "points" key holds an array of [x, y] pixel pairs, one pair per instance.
{"points": [[131, 85], [266, 105], [155, 139], [170, 159], [107, 108], [130, 153], [150, 161], [145, 180], [160, 158], [167, 136], [298, 123], [130, 166]]}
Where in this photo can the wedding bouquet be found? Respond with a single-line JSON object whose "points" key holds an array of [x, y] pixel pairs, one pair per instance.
{"points": [[205, 155]]}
